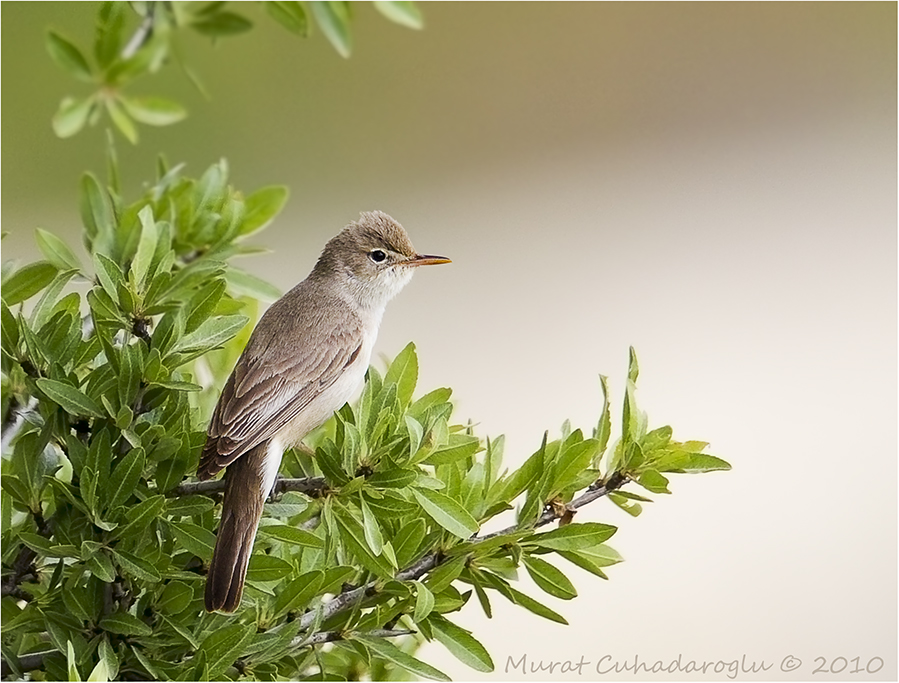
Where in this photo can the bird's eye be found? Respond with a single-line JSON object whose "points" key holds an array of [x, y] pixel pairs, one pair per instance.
{"points": [[377, 255]]}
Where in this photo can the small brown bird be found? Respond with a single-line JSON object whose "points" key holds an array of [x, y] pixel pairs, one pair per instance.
{"points": [[305, 359]]}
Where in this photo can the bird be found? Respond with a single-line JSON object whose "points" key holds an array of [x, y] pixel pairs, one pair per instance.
{"points": [[305, 359]]}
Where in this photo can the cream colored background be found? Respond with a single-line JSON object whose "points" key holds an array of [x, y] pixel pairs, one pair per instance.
{"points": [[712, 183]]}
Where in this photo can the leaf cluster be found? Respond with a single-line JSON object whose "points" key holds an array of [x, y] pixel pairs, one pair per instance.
{"points": [[116, 61], [104, 413]]}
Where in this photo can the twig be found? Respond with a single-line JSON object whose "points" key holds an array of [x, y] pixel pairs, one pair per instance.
{"points": [[348, 599], [333, 636], [143, 33], [308, 485]]}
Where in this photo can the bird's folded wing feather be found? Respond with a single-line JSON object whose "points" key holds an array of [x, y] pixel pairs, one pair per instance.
{"points": [[269, 387]]}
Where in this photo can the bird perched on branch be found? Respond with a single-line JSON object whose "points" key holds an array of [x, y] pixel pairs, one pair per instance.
{"points": [[305, 359]]}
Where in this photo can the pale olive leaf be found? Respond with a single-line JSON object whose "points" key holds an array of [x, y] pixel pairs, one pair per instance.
{"points": [[73, 400], [446, 512], [69, 57], [56, 251], [464, 646], [387, 650], [27, 281], [72, 116], [290, 15], [401, 12], [153, 111], [333, 18]]}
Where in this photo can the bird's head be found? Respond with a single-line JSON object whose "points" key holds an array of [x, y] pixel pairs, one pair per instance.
{"points": [[373, 257]]}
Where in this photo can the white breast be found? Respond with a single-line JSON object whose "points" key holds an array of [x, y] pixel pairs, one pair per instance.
{"points": [[319, 410]]}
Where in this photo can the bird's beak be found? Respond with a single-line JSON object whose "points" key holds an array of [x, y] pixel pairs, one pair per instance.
{"points": [[426, 260]]}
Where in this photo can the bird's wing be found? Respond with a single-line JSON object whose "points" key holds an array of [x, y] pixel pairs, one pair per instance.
{"points": [[271, 384]]}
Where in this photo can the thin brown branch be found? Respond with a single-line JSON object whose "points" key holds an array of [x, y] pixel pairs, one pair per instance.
{"points": [[334, 636], [349, 599], [307, 485]]}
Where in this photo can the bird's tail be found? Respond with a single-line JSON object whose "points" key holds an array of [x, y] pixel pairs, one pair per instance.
{"points": [[241, 510]]}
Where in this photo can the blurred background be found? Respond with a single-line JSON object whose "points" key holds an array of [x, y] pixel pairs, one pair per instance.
{"points": [[714, 184]]}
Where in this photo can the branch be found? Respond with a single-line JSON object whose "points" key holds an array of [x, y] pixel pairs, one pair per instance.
{"points": [[307, 485], [143, 33], [348, 599], [333, 636]]}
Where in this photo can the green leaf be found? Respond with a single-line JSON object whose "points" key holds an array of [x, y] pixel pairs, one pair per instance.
{"points": [[56, 251], [572, 462], [652, 481], [71, 116], [27, 281], [656, 439], [446, 512], [139, 516], [400, 12], [460, 446], [70, 662], [523, 600], [261, 207], [444, 574], [137, 567], [633, 370], [573, 536], [69, 57], [593, 559], [461, 644], [604, 427], [222, 24], [354, 538], [267, 568], [194, 538], [373, 536], [153, 111], [407, 541], [292, 535], [394, 478], [109, 658], [334, 20], [690, 463], [243, 283], [99, 672], [213, 333], [297, 594], [290, 15], [176, 598], [146, 246], [387, 650], [404, 373], [549, 578], [424, 602], [96, 213], [125, 624], [125, 477], [121, 119], [101, 566], [631, 508], [110, 21], [73, 400], [224, 645]]}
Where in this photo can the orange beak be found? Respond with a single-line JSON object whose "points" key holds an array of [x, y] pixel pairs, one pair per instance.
{"points": [[426, 260]]}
